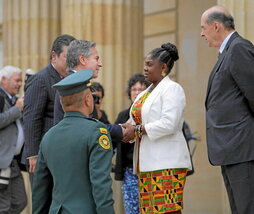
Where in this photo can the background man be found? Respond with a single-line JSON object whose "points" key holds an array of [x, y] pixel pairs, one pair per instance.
{"points": [[230, 108], [75, 154], [12, 190], [39, 100]]}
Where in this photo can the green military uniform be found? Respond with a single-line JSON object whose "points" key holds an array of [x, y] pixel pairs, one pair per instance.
{"points": [[73, 168]]}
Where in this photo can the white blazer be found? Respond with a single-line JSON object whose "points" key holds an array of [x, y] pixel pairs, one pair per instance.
{"points": [[164, 146]]}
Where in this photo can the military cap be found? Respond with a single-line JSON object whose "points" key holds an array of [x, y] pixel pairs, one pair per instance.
{"points": [[74, 83]]}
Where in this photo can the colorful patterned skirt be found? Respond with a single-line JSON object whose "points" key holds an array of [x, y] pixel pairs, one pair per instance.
{"points": [[161, 191]]}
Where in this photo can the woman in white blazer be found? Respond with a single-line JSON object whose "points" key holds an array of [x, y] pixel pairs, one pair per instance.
{"points": [[161, 156]]}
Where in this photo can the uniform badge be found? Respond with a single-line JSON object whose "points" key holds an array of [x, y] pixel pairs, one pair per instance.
{"points": [[104, 142], [103, 131]]}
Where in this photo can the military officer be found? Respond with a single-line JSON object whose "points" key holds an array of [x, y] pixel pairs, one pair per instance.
{"points": [[73, 168]]}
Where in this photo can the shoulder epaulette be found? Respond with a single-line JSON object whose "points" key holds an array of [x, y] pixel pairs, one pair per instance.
{"points": [[103, 131]]}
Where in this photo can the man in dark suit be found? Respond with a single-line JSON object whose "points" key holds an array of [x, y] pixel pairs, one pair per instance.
{"points": [[39, 100], [83, 54], [12, 189], [230, 108], [73, 168]]}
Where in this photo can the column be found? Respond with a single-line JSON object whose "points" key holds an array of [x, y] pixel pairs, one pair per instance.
{"points": [[29, 27]]}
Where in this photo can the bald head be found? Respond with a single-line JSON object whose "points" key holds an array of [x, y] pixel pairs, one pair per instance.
{"points": [[219, 14], [218, 9], [216, 24]]}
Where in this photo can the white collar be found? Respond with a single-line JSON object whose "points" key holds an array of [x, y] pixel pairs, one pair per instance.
{"points": [[223, 45]]}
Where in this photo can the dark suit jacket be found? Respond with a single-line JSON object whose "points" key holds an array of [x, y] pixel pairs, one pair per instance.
{"points": [[230, 104], [73, 168], [38, 108]]}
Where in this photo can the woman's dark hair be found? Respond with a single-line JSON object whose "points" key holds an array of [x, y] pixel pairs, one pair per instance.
{"points": [[133, 80], [98, 87], [167, 54]]}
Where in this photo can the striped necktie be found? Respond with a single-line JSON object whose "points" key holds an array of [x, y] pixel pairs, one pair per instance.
{"points": [[13, 100]]}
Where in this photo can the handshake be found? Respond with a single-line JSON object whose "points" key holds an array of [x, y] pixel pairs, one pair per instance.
{"points": [[128, 132]]}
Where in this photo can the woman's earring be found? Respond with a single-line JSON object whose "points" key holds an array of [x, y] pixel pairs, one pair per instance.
{"points": [[163, 73]]}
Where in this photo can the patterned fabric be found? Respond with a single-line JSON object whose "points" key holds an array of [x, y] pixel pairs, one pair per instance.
{"points": [[136, 109], [161, 191], [130, 192], [136, 113]]}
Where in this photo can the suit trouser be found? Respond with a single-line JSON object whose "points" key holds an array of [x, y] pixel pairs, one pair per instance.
{"points": [[13, 197], [239, 182]]}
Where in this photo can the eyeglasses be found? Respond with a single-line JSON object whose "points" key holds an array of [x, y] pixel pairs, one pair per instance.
{"points": [[135, 90]]}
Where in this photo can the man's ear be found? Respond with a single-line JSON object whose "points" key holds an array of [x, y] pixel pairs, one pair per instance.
{"points": [[82, 59], [217, 26], [4, 79], [88, 100], [53, 57]]}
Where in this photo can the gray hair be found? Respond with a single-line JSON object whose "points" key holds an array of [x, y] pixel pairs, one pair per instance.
{"points": [[75, 49], [226, 20], [8, 70]]}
